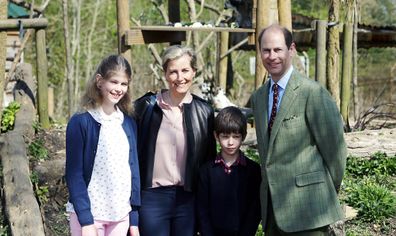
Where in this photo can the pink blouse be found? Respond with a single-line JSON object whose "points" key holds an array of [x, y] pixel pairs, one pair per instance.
{"points": [[171, 146]]}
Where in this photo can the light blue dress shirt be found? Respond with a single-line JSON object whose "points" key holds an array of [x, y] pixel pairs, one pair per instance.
{"points": [[282, 87]]}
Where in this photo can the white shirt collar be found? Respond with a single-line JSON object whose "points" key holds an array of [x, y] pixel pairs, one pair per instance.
{"points": [[100, 116]]}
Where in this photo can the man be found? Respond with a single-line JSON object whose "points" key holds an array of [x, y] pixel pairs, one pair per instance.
{"points": [[301, 144]]}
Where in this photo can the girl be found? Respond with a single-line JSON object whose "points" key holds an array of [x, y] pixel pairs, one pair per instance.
{"points": [[102, 172]]}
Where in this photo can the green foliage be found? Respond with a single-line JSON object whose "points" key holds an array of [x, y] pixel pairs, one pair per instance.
{"points": [[8, 116], [376, 12], [368, 187], [37, 127], [377, 165], [37, 150], [252, 154], [41, 192], [374, 202], [259, 231], [4, 230], [376, 61], [316, 9], [34, 178]]}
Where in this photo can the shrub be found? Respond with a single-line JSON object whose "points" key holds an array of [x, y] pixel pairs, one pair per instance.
{"points": [[373, 201], [37, 150], [378, 164], [8, 116], [252, 154], [42, 192]]}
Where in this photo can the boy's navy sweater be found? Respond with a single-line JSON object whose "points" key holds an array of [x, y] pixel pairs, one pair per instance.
{"points": [[229, 201]]}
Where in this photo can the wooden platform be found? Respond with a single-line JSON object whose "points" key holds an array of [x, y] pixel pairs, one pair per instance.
{"points": [[161, 34]]}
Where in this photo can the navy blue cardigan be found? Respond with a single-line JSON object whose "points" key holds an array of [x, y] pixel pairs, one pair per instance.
{"points": [[82, 136]]}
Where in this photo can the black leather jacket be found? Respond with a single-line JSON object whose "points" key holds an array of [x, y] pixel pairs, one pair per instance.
{"points": [[198, 119]]}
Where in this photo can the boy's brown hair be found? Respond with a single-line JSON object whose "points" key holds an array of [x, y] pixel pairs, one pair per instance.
{"points": [[231, 120]]}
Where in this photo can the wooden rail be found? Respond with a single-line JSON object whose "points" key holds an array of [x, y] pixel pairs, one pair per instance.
{"points": [[13, 24], [161, 34]]}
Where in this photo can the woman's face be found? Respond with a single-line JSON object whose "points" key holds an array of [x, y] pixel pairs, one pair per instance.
{"points": [[179, 75]]}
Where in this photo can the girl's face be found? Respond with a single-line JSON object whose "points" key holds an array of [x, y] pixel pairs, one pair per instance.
{"points": [[179, 75], [112, 89]]}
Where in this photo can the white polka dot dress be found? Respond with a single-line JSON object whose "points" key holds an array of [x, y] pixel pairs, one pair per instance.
{"points": [[110, 186]]}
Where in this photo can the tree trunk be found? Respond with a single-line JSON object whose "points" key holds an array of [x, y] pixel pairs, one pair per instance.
{"points": [[333, 52], [320, 58], [195, 35], [3, 51], [42, 78], [285, 13], [266, 14], [76, 49], [69, 62], [356, 106], [90, 39], [222, 62], [346, 72], [122, 26]]}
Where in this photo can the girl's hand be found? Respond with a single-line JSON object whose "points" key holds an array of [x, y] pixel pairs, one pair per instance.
{"points": [[134, 231], [89, 230]]}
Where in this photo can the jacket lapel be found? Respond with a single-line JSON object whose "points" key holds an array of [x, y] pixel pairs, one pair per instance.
{"points": [[287, 101], [262, 107]]}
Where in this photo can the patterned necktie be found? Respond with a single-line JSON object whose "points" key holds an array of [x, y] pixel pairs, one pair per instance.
{"points": [[275, 88]]}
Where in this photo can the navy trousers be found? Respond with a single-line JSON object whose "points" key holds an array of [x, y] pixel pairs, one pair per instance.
{"points": [[167, 211]]}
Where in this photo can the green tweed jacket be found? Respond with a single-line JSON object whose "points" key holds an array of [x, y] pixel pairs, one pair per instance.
{"points": [[303, 161]]}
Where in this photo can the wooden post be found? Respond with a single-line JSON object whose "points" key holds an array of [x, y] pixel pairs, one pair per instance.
{"points": [[21, 207], [356, 105], [320, 59], [265, 16], [122, 27], [346, 71], [285, 14], [174, 11], [42, 78], [51, 101], [333, 52], [3, 51], [224, 37], [174, 14]]}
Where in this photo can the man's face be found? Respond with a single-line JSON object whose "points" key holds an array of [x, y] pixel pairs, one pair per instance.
{"points": [[275, 55]]}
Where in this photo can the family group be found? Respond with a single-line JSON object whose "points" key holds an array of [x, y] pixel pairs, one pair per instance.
{"points": [[149, 167]]}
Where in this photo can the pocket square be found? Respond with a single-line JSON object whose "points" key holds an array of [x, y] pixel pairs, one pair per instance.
{"points": [[290, 118]]}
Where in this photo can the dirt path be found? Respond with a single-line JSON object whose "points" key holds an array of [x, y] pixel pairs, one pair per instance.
{"points": [[367, 142], [361, 143]]}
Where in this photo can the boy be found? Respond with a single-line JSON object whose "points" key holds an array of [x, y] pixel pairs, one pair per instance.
{"points": [[228, 189]]}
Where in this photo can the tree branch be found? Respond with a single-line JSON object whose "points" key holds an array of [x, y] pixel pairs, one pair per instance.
{"points": [[162, 10], [209, 7]]}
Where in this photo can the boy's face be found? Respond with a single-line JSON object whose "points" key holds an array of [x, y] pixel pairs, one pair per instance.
{"points": [[230, 143]]}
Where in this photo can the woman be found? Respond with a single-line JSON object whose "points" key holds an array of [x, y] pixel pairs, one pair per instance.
{"points": [[175, 136]]}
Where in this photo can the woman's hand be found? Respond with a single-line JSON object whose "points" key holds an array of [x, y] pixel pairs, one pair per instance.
{"points": [[134, 231], [89, 230]]}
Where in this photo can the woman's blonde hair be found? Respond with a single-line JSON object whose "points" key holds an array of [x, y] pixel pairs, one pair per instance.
{"points": [[177, 51], [108, 67]]}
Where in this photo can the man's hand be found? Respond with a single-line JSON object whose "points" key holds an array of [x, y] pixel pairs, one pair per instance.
{"points": [[134, 231], [89, 230]]}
